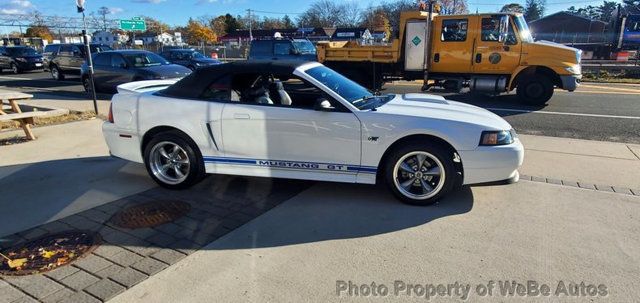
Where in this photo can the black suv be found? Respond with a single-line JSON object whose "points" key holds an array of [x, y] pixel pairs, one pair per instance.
{"points": [[283, 49], [189, 58], [67, 59], [19, 59]]}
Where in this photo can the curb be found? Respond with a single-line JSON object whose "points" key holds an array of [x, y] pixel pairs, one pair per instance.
{"points": [[583, 185]]}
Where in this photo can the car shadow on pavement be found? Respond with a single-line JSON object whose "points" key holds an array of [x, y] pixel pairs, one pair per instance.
{"points": [[32, 194], [262, 212], [341, 211]]}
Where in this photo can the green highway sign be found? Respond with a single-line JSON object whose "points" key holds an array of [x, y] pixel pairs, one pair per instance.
{"points": [[133, 25]]}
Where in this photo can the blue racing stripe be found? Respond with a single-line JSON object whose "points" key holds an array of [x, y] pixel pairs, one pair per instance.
{"points": [[293, 165]]}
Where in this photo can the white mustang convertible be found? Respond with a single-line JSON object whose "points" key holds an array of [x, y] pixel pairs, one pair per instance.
{"points": [[305, 121]]}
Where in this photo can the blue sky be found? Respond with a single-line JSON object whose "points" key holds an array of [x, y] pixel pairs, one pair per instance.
{"points": [[177, 12]]}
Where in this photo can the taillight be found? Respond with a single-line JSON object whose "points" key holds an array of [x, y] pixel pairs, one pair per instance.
{"points": [[111, 113]]}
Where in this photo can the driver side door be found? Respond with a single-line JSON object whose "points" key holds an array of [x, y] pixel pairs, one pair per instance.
{"points": [[292, 141]]}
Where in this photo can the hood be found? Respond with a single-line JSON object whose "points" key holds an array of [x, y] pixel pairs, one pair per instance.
{"points": [[166, 71], [206, 61], [436, 107], [550, 53]]}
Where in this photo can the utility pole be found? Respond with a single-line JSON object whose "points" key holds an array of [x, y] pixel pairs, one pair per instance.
{"points": [[87, 50], [250, 25]]}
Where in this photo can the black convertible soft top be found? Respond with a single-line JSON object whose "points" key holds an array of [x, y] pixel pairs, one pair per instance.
{"points": [[193, 85]]}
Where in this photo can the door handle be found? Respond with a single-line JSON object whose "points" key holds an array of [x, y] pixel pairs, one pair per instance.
{"points": [[436, 57], [241, 116], [478, 58]]}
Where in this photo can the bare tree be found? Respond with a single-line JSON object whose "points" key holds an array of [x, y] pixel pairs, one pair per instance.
{"points": [[104, 11], [453, 7], [350, 14]]}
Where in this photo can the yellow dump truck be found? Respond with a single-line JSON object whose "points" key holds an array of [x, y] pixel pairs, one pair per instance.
{"points": [[489, 53]]}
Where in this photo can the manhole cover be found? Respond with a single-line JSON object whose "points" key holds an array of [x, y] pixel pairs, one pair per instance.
{"points": [[47, 253], [150, 214]]}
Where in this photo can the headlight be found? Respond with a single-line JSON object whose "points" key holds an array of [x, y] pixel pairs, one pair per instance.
{"points": [[576, 69], [491, 138], [21, 59]]}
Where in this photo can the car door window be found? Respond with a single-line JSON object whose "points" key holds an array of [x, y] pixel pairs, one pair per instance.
{"points": [[218, 90], [117, 61], [65, 50], [102, 60], [454, 30], [282, 48], [261, 48]]}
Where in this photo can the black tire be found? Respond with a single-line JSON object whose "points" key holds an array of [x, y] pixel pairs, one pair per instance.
{"points": [[535, 90], [448, 172], [14, 69], [56, 73], [196, 170]]}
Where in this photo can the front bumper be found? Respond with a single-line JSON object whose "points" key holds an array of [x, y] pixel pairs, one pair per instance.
{"points": [[492, 163], [570, 82], [29, 65]]}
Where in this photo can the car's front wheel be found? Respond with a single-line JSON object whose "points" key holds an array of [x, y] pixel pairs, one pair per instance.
{"points": [[419, 173], [14, 69], [174, 161]]}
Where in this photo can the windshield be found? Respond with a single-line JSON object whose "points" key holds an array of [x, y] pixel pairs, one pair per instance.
{"points": [[21, 51], [523, 28], [341, 85], [304, 46], [145, 59]]}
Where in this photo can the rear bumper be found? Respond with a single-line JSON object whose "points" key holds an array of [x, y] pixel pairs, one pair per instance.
{"points": [[492, 163], [570, 82], [122, 143]]}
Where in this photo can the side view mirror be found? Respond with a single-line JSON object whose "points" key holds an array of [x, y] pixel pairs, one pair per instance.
{"points": [[124, 65], [76, 53], [504, 29], [323, 105], [294, 52]]}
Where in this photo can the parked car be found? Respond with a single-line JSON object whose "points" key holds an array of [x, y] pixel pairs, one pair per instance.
{"points": [[18, 59], [112, 68], [282, 49], [67, 58], [302, 120], [189, 58]]}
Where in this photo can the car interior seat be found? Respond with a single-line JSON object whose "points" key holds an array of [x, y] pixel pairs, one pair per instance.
{"points": [[276, 89]]}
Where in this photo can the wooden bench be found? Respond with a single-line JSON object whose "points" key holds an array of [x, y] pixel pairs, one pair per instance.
{"points": [[25, 119]]}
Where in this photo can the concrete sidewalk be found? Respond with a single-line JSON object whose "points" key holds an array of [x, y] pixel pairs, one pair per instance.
{"points": [[589, 162], [298, 251], [65, 171]]}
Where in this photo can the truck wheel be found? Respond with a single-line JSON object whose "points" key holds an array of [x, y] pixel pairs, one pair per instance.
{"points": [[535, 90], [419, 173], [174, 161], [56, 74]]}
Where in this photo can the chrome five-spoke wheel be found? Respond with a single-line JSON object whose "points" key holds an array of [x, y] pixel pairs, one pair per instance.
{"points": [[169, 162], [419, 175]]}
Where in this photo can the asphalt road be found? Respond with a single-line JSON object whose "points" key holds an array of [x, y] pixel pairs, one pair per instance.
{"points": [[606, 112]]}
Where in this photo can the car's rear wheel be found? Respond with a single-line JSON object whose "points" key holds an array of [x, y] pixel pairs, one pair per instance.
{"points": [[174, 161], [56, 74], [419, 173]]}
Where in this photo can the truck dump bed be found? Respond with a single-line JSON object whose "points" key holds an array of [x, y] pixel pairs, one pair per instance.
{"points": [[354, 52]]}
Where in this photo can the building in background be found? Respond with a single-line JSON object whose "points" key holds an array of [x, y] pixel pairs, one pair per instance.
{"points": [[109, 38]]}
